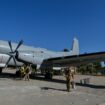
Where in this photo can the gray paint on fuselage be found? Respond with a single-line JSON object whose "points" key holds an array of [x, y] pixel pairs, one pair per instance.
{"points": [[31, 54], [40, 52]]}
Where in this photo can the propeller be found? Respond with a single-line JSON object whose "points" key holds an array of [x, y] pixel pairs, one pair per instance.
{"points": [[13, 53]]}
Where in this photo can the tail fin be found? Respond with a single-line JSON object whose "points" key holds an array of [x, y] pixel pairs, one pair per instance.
{"points": [[75, 47]]}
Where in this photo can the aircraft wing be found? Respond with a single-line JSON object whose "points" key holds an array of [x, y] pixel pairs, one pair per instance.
{"points": [[77, 60]]}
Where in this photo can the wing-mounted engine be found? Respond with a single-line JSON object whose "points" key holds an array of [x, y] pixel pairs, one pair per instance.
{"points": [[24, 57], [29, 57], [13, 53]]}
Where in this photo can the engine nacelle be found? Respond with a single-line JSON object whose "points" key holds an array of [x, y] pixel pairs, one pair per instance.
{"points": [[30, 58]]}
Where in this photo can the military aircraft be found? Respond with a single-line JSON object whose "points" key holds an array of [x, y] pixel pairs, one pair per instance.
{"points": [[17, 54]]}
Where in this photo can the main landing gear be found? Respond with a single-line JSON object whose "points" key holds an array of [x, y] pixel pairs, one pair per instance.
{"points": [[49, 75], [1, 69]]}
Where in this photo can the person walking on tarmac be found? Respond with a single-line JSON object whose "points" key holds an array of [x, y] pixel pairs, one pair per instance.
{"points": [[69, 74], [22, 71], [27, 71], [72, 72]]}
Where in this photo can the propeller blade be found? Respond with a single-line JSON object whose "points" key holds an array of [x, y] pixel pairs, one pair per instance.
{"points": [[13, 53], [20, 43], [10, 46], [8, 61], [15, 61]]}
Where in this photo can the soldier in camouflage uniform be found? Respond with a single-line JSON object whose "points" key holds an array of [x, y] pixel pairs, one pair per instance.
{"points": [[27, 71], [70, 78]]}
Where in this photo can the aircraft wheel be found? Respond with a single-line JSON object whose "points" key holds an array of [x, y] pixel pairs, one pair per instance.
{"points": [[49, 76], [18, 73], [1, 70]]}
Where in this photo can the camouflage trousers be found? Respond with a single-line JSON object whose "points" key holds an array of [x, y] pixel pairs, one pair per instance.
{"points": [[69, 85]]}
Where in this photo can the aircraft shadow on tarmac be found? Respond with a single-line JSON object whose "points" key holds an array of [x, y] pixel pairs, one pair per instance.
{"points": [[41, 78], [49, 88], [7, 75], [12, 76]]}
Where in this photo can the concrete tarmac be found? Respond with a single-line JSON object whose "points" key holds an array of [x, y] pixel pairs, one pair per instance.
{"points": [[14, 91]]}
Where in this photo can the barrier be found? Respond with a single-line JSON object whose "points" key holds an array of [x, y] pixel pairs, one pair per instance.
{"points": [[85, 81]]}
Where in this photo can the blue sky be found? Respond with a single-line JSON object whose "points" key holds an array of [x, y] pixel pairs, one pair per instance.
{"points": [[53, 24]]}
